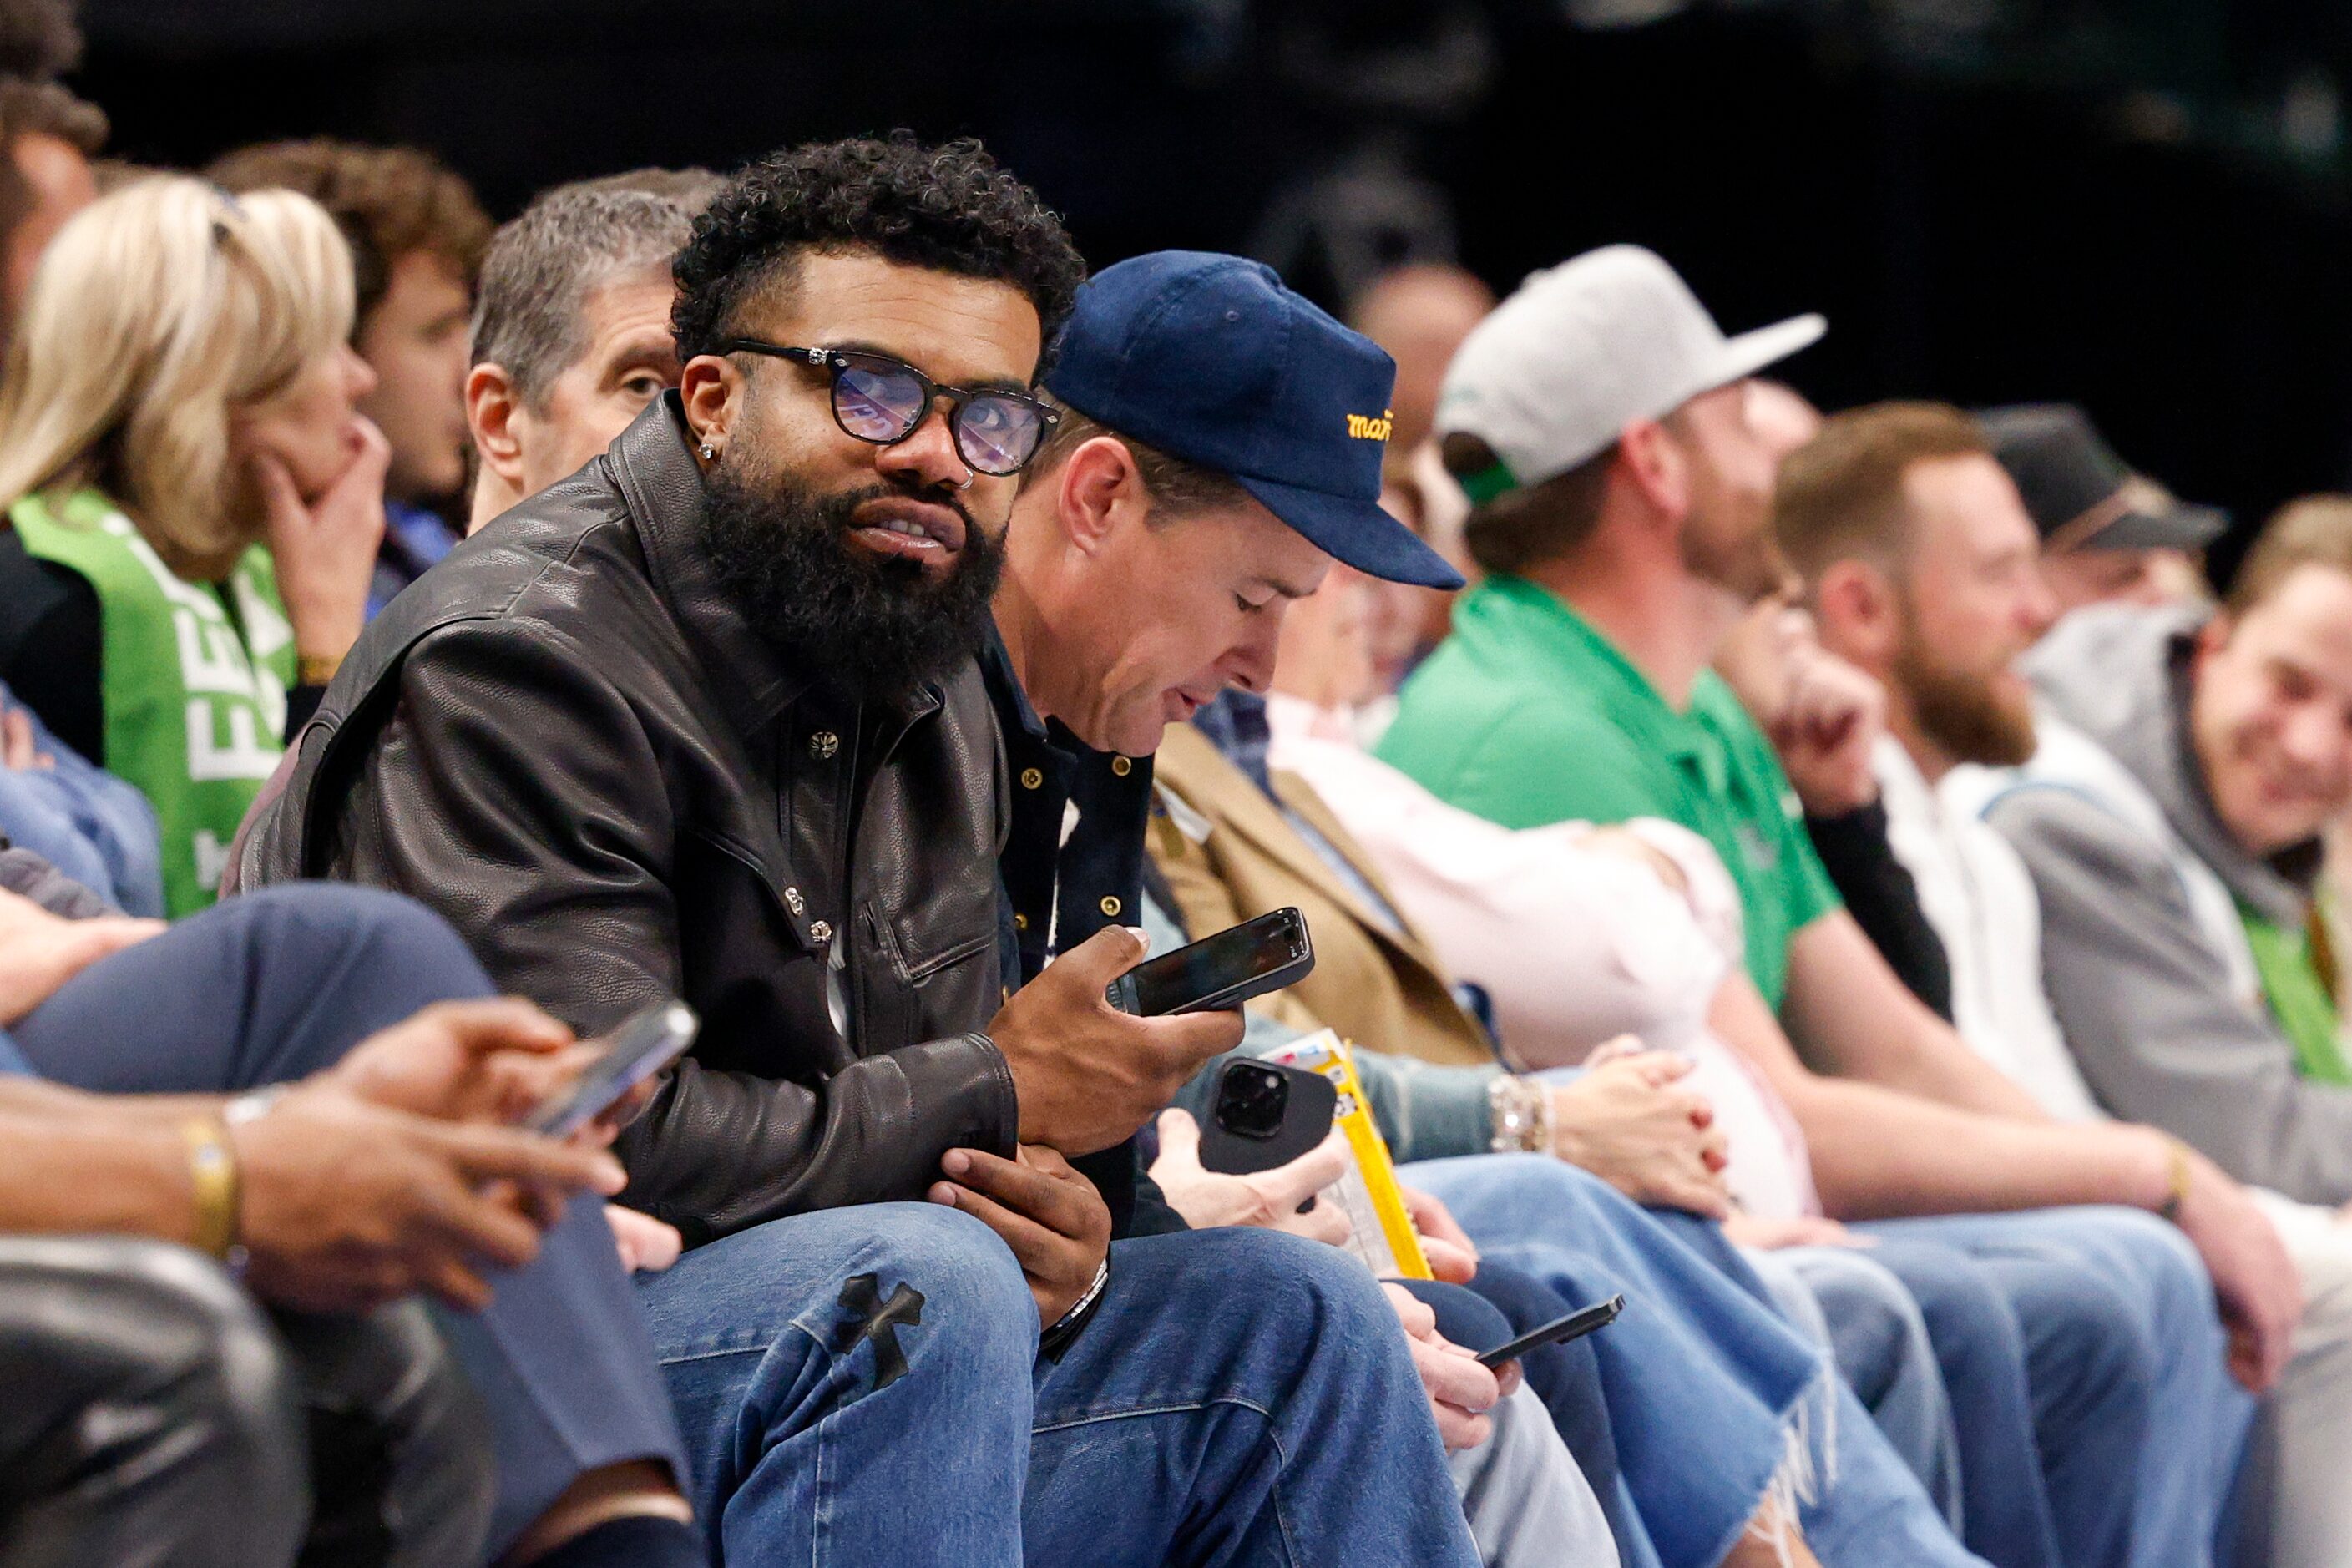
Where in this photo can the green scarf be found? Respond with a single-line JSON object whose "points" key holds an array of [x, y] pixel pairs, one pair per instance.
{"points": [[194, 679], [2302, 1000]]}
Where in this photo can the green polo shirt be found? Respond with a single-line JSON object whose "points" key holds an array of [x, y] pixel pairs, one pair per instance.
{"points": [[1526, 715]]}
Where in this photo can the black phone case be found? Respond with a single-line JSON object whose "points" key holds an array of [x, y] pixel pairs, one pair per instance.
{"points": [[1306, 1122]]}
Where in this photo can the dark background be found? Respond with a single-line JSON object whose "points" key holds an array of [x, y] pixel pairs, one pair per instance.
{"points": [[2139, 204]]}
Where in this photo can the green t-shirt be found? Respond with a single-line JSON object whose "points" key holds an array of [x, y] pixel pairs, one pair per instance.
{"points": [[193, 677], [1526, 715]]}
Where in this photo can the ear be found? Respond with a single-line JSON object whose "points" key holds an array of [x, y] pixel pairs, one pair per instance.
{"points": [[1099, 491], [1652, 461], [711, 388], [1855, 604], [491, 405]]}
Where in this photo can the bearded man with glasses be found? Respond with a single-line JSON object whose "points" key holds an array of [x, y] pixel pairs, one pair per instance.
{"points": [[704, 719]]}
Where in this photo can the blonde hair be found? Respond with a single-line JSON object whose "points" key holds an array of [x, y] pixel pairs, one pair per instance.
{"points": [[156, 314]]}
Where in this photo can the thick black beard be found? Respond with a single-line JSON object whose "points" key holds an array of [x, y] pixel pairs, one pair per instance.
{"points": [[870, 627]]}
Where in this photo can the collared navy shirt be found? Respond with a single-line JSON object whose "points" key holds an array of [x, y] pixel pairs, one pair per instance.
{"points": [[1072, 864], [414, 540]]}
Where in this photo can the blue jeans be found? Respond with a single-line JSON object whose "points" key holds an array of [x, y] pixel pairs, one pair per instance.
{"points": [[1567, 1378], [1705, 1383], [278, 984], [94, 828], [2107, 1319], [861, 1385], [1841, 1299]]}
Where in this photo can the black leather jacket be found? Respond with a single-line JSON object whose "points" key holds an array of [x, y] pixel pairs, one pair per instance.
{"points": [[568, 741]]}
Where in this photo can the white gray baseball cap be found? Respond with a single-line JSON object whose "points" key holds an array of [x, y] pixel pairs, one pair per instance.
{"points": [[1559, 369]]}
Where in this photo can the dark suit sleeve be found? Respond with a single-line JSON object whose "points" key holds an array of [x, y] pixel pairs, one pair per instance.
{"points": [[50, 643], [516, 792], [1885, 902]]}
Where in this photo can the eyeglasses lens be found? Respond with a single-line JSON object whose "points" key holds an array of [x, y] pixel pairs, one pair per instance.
{"points": [[875, 404], [997, 435]]}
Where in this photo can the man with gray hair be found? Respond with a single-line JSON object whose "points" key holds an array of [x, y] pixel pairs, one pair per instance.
{"points": [[572, 335]]}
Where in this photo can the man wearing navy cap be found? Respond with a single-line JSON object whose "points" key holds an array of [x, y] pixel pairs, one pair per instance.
{"points": [[1219, 445], [1191, 389]]}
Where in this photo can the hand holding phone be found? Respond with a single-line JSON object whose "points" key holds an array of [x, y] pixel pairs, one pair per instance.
{"points": [[646, 1043], [1559, 1332], [1088, 1075]]}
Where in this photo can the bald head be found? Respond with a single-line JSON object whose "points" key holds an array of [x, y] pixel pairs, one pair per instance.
{"points": [[1420, 314]]}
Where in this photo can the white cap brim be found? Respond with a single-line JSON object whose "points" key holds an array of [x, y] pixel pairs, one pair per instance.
{"points": [[1748, 352]]}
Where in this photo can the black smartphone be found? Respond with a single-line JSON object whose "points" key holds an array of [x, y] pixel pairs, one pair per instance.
{"points": [[644, 1045], [1266, 1114], [1221, 971], [1559, 1331]]}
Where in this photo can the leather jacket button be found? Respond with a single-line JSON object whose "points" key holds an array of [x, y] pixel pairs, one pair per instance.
{"points": [[1020, 922], [820, 931], [1111, 906], [823, 745], [794, 902], [1031, 778]]}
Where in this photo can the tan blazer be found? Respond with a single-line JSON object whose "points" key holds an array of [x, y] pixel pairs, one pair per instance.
{"points": [[1381, 993]]}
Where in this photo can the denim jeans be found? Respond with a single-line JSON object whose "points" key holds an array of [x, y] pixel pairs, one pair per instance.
{"points": [[1526, 1503], [1705, 1383], [1566, 1379], [94, 828], [861, 1385], [2130, 1412], [278, 984], [1530, 1501], [1841, 1299]]}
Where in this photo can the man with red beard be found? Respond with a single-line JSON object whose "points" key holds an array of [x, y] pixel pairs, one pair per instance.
{"points": [[1921, 562]]}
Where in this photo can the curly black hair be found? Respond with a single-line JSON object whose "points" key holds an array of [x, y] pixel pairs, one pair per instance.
{"points": [[952, 208]]}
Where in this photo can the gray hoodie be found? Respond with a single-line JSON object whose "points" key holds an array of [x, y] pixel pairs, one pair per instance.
{"points": [[2142, 956]]}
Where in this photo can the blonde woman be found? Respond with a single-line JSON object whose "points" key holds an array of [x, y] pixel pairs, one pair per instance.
{"points": [[194, 502]]}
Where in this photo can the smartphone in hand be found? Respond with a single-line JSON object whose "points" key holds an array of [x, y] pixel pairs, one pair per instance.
{"points": [[1559, 1332], [1218, 971], [644, 1045]]}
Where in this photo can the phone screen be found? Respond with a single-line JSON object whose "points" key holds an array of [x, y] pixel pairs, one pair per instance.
{"points": [[640, 1049], [1184, 978]]}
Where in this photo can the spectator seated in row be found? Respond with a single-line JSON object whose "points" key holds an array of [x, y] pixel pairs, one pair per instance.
{"points": [[194, 502], [416, 238], [855, 1031], [1624, 514], [313, 1081], [1924, 569], [572, 335]]}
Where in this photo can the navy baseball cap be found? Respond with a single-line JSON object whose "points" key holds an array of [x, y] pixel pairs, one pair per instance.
{"points": [[1209, 359]]}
